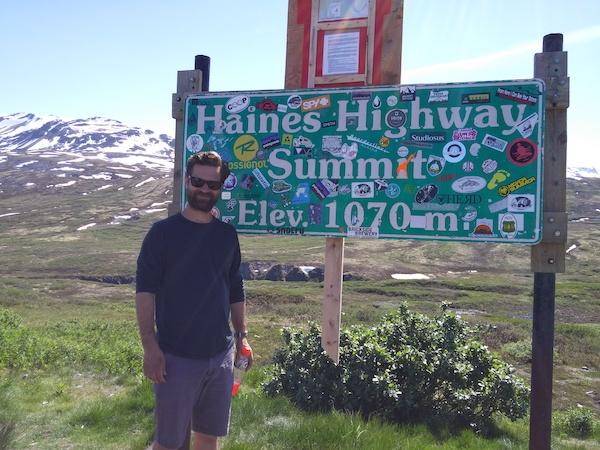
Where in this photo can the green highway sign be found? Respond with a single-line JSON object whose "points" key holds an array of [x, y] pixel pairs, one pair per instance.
{"points": [[439, 162]]}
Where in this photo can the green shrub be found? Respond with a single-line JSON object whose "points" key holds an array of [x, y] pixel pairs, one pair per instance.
{"points": [[520, 351], [111, 347], [408, 368], [577, 422]]}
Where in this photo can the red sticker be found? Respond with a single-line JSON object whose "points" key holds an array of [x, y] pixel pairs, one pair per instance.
{"points": [[522, 152]]}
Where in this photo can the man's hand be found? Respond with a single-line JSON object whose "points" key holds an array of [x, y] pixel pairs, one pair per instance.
{"points": [[238, 345], [154, 364]]}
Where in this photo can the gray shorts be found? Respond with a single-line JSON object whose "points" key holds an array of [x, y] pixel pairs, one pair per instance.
{"points": [[198, 390]]}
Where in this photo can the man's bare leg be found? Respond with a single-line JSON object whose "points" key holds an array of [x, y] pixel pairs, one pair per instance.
{"points": [[205, 441], [185, 446]]}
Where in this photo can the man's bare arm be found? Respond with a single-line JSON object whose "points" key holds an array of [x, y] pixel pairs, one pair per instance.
{"points": [[154, 359]]}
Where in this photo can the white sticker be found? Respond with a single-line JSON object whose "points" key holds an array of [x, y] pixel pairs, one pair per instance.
{"points": [[227, 219], [526, 126], [521, 202], [498, 206], [489, 165], [363, 232], [438, 96], [468, 184], [194, 143], [363, 189], [261, 178], [468, 166], [494, 142], [237, 104], [454, 151], [470, 214], [510, 224]]}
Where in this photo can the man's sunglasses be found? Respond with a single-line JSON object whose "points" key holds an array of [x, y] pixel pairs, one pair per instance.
{"points": [[199, 182]]}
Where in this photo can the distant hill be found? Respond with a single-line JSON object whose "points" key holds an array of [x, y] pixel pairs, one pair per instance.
{"points": [[83, 172]]}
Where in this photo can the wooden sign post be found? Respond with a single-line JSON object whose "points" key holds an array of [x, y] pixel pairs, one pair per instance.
{"points": [[188, 82], [548, 257], [341, 43]]}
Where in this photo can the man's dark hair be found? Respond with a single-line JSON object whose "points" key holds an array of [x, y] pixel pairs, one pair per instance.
{"points": [[208, 159]]}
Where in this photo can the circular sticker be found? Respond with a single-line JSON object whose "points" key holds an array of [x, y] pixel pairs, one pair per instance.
{"points": [[489, 165], [435, 165], [521, 152], [384, 141], [245, 147], [215, 212], [194, 142], [294, 101], [395, 118], [230, 182], [392, 100], [393, 190], [426, 193], [454, 151], [402, 152]]}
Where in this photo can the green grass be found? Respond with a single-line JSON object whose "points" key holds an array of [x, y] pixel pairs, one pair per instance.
{"points": [[89, 411], [91, 333], [259, 422]]}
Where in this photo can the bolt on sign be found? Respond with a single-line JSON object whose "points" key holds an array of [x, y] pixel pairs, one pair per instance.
{"points": [[438, 162]]}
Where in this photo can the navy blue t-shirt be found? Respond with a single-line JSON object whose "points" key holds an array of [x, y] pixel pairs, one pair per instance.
{"points": [[194, 271]]}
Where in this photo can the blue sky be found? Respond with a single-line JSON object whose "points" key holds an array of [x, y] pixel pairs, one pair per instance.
{"points": [[119, 58]]}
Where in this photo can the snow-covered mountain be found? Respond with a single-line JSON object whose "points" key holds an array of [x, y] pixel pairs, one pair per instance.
{"points": [[577, 173], [81, 173], [94, 139]]}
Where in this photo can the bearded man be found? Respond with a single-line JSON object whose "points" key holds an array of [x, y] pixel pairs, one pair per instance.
{"points": [[188, 288]]}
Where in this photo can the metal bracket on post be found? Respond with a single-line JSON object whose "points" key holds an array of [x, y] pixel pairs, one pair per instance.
{"points": [[549, 255], [555, 227], [188, 82], [552, 68]]}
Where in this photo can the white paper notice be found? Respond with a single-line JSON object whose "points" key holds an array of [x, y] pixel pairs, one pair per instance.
{"points": [[340, 53]]}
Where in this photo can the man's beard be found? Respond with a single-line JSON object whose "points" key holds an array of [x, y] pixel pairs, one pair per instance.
{"points": [[201, 201]]}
